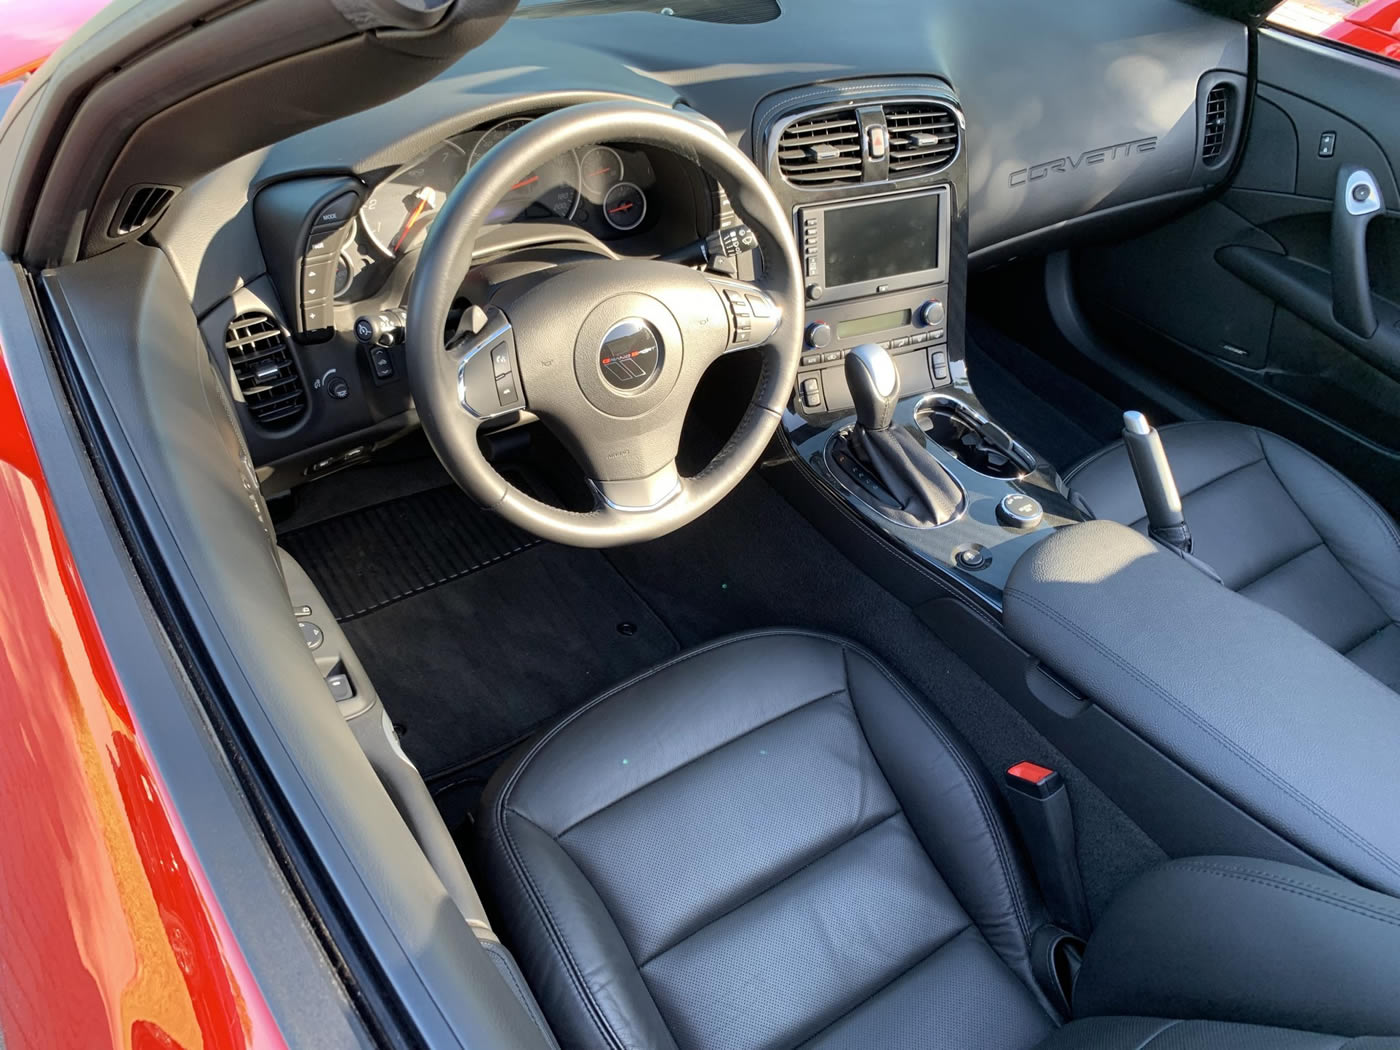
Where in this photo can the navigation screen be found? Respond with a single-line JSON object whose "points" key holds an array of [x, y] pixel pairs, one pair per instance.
{"points": [[868, 242]]}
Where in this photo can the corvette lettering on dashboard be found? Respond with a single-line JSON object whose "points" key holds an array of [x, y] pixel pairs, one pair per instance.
{"points": [[1118, 151]]}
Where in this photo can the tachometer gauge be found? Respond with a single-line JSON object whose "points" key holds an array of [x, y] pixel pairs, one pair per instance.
{"points": [[549, 191], [602, 170], [397, 215], [625, 206]]}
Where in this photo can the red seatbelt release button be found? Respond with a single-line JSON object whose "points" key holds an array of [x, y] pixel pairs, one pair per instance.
{"points": [[1032, 779]]}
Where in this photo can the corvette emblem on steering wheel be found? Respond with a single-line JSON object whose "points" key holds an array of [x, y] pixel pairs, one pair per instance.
{"points": [[630, 355]]}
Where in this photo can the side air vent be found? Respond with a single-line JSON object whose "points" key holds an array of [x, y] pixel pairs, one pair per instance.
{"points": [[1217, 123], [923, 138], [821, 150], [141, 206], [265, 369]]}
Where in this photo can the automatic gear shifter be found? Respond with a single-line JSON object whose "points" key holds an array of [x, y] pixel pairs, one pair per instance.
{"points": [[923, 493]]}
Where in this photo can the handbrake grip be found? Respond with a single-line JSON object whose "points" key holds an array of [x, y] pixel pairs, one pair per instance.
{"points": [[1165, 520]]}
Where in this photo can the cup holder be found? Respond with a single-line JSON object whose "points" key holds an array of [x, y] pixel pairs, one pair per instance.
{"points": [[973, 440]]}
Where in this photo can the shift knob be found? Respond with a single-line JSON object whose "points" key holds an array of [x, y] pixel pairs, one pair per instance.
{"points": [[874, 383]]}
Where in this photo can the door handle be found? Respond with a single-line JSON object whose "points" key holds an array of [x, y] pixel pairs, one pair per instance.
{"points": [[1356, 203]]}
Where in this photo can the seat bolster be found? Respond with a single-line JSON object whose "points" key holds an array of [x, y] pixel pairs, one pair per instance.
{"points": [[1353, 525], [583, 977], [1248, 941], [958, 815]]}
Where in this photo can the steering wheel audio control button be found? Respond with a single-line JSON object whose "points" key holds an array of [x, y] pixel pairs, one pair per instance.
{"points": [[488, 381], [753, 316], [1019, 511]]}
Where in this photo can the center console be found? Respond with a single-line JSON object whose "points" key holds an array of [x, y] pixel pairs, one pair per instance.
{"points": [[875, 175]]}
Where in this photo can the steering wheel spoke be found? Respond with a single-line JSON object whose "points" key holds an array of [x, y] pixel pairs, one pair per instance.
{"points": [[488, 370], [640, 495], [754, 316]]}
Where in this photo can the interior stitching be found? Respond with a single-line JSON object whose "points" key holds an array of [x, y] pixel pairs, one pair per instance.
{"points": [[691, 761], [1147, 1043], [1283, 883], [787, 877], [885, 986], [1200, 721], [989, 816]]}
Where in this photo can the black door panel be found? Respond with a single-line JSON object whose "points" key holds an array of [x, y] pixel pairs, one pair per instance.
{"points": [[1235, 301]]}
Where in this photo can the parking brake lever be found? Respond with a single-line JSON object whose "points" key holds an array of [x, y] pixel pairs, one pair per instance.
{"points": [[1357, 201], [1165, 521]]}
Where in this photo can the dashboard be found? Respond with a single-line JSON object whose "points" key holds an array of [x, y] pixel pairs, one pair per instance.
{"points": [[1070, 114]]}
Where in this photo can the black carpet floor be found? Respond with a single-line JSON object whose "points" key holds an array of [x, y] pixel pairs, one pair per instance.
{"points": [[1046, 408]]}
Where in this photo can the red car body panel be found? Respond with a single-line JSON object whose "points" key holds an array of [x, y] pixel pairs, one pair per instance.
{"points": [[1374, 27], [109, 933], [25, 42]]}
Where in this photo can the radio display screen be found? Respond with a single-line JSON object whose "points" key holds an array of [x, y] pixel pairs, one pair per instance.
{"points": [[868, 242], [875, 323]]}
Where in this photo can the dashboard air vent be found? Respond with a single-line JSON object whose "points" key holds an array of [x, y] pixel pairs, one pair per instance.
{"points": [[1217, 123], [141, 206], [265, 369], [923, 138], [821, 150]]}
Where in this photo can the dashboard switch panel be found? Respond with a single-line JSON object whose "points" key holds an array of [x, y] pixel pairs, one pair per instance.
{"points": [[303, 225]]}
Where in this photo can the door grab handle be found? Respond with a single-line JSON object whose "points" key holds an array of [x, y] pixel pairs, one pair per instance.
{"points": [[1357, 201]]}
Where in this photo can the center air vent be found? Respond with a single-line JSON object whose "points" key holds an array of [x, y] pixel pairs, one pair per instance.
{"points": [[1217, 123], [923, 138], [821, 150], [265, 369]]}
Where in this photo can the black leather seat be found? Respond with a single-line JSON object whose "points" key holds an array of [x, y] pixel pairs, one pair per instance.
{"points": [[1279, 526], [771, 842]]}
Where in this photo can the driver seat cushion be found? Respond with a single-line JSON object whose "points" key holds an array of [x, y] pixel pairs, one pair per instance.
{"points": [[1280, 527], [765, 842]]}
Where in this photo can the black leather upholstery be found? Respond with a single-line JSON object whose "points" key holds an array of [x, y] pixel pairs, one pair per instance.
{"points": [[1247, 941], [734, 851], [769, 842], [1279, 526], [1265, 714]]}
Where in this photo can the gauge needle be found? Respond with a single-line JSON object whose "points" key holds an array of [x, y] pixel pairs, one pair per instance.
{"points": [[621, 207], [427, 198], [525, 182], [600, 171]]}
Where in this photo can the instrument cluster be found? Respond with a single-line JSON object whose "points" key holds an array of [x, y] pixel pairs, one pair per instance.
{"points": [[606, 189]]}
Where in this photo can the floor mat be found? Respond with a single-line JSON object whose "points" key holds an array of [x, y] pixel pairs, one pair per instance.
{"points": [[470, 667], [1051, 411], [374, 556]]}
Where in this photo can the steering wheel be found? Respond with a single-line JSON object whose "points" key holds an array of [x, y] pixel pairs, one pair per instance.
{"points": [[608, 352]]}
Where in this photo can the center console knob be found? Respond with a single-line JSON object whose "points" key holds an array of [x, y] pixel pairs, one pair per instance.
{"points": [[932, 313], [818, 335]]}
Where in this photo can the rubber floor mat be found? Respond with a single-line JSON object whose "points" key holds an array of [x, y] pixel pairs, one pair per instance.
{"points": [[370, 558]]}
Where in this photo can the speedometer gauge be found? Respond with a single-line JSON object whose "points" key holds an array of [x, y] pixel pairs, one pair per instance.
{"points": [[397, 215], [550, 191]]}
